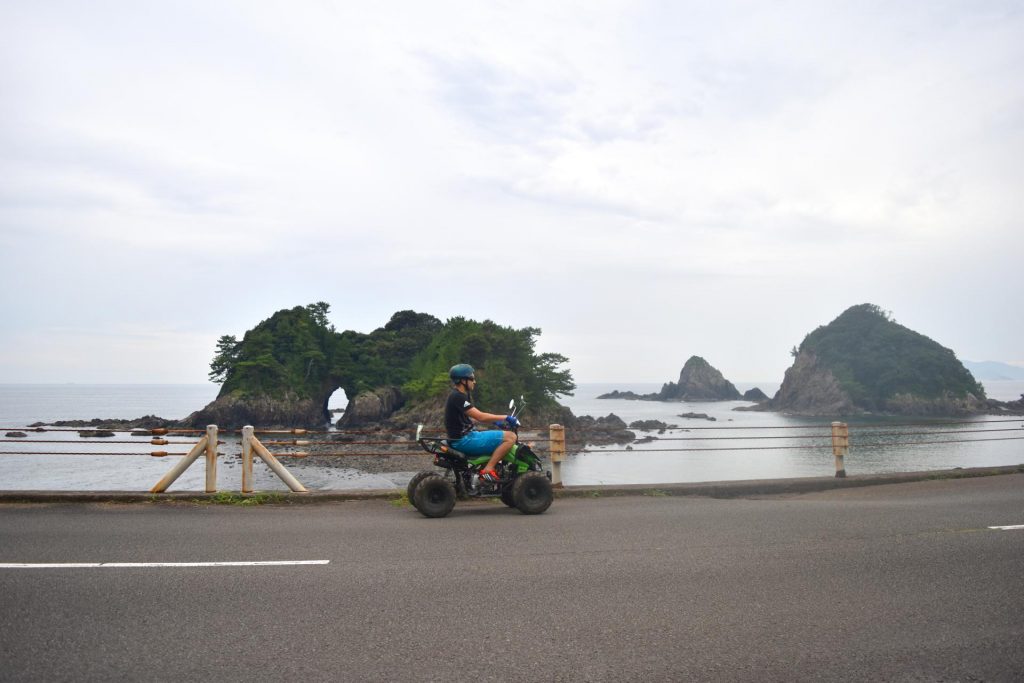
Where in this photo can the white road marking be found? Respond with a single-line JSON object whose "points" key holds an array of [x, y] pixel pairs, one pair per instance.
{"points": [[147, 565], [1008, 528]]}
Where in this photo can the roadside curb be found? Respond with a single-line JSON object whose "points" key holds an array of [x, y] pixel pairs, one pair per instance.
{"points": [[770, 487], [715, 489]]}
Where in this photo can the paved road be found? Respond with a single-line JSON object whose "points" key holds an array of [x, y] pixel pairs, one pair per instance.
{"points": [[898, 582]]}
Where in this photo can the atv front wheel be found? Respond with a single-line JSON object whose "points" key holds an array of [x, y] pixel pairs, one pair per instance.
{"points": [[434, 497], [532, 493], [506, 497]]}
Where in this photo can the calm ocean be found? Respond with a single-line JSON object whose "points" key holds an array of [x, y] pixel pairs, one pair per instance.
{"points": [[23, 404]]}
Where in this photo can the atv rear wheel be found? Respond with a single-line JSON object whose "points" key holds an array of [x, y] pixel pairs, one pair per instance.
{"points": [[410, 490], [434, 497], [532, 493]]}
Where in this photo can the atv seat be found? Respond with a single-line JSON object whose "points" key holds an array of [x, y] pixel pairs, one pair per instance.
{"points": [[444, 454]]}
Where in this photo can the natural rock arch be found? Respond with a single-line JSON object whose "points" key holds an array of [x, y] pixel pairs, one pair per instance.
{"points": [[284, 370]]}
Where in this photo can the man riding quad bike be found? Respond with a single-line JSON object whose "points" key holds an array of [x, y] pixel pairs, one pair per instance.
{"points": [[478, 463]]}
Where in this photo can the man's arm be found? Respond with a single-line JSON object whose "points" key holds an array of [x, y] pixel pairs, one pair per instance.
{"points": [[481, 416]]}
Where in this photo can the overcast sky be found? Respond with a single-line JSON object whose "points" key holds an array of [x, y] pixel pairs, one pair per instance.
{"points": [[644, 181]]}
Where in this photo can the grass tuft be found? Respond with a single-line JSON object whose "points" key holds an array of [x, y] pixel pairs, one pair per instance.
{"points": [[243, 499]]}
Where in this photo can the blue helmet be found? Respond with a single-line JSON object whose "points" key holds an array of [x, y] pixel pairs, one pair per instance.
{"points": [[461, 372]]}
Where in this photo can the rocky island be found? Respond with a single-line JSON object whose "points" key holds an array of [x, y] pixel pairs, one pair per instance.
{"points": [[698, 381], [284, 370], [865, 362]]}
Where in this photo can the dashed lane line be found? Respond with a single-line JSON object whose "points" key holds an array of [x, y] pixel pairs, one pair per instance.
{"points": [[152, 565], [1012, 527]]}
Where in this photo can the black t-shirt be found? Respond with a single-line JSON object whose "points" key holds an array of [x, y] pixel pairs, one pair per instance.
{"points": [[456, 421]]}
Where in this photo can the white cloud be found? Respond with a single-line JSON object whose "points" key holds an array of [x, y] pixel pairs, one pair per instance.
{"points": [[693, 176]]}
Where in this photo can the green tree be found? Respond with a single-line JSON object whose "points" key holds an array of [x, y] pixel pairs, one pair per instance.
{"points": [[226, 357], [298, 351], [318, 314]]}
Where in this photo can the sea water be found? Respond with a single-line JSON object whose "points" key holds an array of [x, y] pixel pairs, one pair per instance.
{"points": [[772, 445], [696, 450]]}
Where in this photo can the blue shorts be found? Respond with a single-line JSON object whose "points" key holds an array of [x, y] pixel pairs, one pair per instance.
{"points": [[479, 443]]}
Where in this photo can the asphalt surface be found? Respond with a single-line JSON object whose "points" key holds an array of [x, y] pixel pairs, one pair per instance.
{"points": [[891, 582]]}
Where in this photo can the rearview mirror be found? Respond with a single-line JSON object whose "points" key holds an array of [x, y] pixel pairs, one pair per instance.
{"points": [[419, 430], [511, 404]]}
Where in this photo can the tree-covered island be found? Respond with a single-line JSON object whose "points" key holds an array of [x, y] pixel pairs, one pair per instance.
{"points": [[284, 370], [866, 362]]}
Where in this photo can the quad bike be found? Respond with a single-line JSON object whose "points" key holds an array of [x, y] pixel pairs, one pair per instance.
{"points": [[523, 484]]}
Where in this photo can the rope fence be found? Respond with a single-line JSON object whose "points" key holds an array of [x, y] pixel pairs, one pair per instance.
{"points": [[400, 443], [155, 454], [155, 442], [783, 448], [693, 450], [927, 443]]}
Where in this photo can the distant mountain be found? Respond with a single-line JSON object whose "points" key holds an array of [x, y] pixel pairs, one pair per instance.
{"points": [[863, 361], [993, 369]]}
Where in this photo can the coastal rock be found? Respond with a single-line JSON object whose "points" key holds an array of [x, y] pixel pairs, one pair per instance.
{"points": [[428, 413], [865, 362], [699, 381], [601, 430], [810, 389], [651, 425], [627, 395], [755, 395], [92, 433], [372, 407], [699, 416], [16, 435], [991, 406], [120, 424], [1007, 407], [944, 406], [234, 411]]}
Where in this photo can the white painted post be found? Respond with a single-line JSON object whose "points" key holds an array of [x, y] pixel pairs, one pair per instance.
{"points": [[211, 458], [247, 479], [176, 471], [557, 433], [840, 446], [278, 468]]}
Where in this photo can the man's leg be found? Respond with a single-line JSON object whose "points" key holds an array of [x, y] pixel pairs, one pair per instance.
{"points": [[507, 441]]}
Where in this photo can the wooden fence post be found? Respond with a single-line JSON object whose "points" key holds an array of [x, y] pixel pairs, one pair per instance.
{"points": [[280, 470], [840, 446], [211, 458], [557, 433], [182, 465], [247, 481]]}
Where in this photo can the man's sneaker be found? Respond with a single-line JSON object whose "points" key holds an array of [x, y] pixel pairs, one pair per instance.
{"points": [[489, 475]]}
